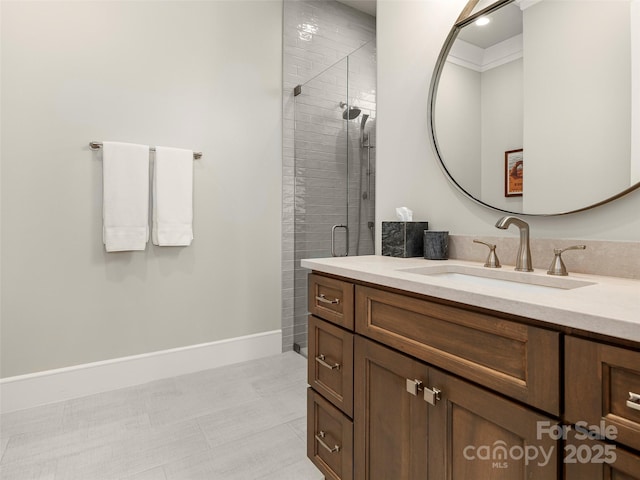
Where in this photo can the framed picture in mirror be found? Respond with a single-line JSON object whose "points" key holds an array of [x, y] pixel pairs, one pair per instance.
{"points": [[513, 173]]}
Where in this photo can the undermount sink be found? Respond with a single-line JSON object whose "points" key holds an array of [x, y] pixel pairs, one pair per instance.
{"points": [[484, 277]]}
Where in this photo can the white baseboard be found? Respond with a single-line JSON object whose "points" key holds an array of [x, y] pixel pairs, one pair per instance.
{"points": [[26, 391]]}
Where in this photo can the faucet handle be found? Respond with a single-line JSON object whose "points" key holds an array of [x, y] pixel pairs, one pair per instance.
{"points": [[492, 260], [557, 265]]}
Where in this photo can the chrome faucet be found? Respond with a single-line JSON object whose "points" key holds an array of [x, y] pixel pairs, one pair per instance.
{"points": [[523, 261]]}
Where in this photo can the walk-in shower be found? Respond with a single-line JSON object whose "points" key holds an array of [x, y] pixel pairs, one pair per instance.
{"points": [[334, 145]]}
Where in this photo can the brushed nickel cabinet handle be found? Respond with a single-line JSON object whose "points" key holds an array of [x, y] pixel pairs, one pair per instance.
{"points": [[323, 299], [432, 395], [634, 401], [414, 386], [321, 360], [319, 437]]}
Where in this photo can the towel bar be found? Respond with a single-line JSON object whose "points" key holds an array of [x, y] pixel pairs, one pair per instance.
{"points": [[98, 146]]}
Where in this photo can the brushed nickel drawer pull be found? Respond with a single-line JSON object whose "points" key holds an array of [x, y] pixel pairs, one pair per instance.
{"points": [[432, 395], [319, 437], [321, 360], [323, 299], [634, 401]]}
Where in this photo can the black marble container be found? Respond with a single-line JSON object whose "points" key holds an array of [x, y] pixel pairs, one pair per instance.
{"points": [[436, 245], [403, 239]]}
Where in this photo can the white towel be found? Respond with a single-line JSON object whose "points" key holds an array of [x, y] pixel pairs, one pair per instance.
{"points": [[125, 168], [172, 197]]}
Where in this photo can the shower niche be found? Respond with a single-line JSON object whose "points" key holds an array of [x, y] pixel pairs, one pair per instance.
{"points": [[335, 165]]}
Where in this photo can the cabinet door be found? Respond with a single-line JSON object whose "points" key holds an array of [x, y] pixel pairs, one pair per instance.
{"points": [[476, 434], [390, 423]]}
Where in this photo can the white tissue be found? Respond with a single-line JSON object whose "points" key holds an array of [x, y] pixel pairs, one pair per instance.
{"points": [[404, 214]]}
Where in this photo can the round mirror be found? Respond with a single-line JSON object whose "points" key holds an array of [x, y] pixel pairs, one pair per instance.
{"points": [[534, 106]]}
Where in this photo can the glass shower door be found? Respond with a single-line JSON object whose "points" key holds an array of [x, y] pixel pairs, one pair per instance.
{"points": [[334, 165], [321, 179], [321, 165]]}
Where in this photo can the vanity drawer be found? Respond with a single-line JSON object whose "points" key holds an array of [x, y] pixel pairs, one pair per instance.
{"points": [[331, 300], [517, 360], [330, 365], [590, 459], [599, 381], [329, 438]]}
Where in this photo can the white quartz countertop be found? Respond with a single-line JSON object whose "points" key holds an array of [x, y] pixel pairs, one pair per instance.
{"points": [[609, 306]]}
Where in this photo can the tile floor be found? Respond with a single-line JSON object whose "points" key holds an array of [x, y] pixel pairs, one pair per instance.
{"points": [[244, 421]]}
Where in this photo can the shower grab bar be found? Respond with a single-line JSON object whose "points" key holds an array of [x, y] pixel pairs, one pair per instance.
{"points": [[98, 145], [333, 240]]}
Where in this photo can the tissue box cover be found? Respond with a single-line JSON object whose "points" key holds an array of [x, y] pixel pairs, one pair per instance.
{"points": [[403, 239]]}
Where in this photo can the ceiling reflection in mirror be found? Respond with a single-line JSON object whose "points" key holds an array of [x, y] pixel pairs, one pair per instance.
{"points": [[559, 79]]}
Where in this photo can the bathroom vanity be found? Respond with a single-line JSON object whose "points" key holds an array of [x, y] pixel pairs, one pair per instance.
{"points": [[424, 369]]}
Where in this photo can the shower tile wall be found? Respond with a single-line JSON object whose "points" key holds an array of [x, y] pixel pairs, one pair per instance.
{"points": [[317, 34]]}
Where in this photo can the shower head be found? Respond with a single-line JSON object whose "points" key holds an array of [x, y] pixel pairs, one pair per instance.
{"points": [[349, 113]]}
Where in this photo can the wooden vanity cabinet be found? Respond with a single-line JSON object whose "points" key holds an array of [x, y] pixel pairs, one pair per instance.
{"points": [[406, 387]]}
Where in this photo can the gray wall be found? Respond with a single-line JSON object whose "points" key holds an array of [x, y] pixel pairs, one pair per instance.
{"points": [[203, 75], [410, 36]]}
